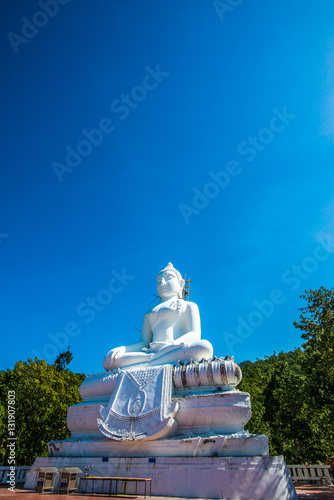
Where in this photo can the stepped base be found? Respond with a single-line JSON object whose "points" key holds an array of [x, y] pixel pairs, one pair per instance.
{"points": [[243, 444], [215, 412], [237, 478]]}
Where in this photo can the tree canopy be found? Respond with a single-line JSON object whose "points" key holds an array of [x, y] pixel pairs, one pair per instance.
{"points": [[42, 394], [292, 393]]}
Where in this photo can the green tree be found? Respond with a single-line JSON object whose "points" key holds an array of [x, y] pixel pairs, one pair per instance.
{"points": [[287, 413], [275, 385], [317, 324], [42, 393], [293, 393], [254, 380], [63, 360]]}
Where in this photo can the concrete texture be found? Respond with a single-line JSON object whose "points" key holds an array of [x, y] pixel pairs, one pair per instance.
{"points": [[242, 478]]}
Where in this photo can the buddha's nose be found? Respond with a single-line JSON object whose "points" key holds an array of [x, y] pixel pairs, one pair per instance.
{"points": [[163, 281]]}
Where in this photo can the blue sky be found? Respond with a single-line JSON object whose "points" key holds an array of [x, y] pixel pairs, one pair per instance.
{"points": [[138, 133]]}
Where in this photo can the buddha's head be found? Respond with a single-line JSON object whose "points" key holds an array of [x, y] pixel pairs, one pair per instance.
{"points": [[169, 282]]}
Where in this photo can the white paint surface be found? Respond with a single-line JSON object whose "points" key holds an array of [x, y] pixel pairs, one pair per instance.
{"points": [[238, 478]]}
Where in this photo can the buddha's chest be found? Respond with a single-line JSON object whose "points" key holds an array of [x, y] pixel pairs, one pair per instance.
{"points": [[167, 313]]}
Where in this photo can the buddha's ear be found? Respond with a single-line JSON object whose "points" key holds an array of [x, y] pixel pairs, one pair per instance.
{"points": [[182, 283]]}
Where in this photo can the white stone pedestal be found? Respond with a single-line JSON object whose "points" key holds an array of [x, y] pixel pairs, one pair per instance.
{"points": [[242, 444], [203, 451], [237, 478], [215, 412]]}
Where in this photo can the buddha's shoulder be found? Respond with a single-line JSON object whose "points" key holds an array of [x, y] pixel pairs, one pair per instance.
{"points": [[152, 310], [191, 305]]}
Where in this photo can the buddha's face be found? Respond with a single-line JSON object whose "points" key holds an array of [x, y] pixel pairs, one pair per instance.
{"points": [[168, 285]]}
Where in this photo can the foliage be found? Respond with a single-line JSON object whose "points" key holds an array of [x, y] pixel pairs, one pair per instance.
{"points": [[63, 360], [42, 393], [292, 393], [317, 324]]}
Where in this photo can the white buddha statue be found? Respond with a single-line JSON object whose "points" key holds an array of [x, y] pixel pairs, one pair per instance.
{"points": [[171, 330]]}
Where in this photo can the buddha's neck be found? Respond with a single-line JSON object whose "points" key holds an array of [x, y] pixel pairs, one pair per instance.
{"points": [[168, 298]]}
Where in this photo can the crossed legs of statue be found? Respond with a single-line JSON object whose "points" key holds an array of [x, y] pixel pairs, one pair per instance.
{"points": [[169, 354]]}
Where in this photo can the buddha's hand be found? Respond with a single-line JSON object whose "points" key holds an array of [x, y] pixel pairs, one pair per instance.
{"points": [[112, 356], [175, 345], [180, 344]]}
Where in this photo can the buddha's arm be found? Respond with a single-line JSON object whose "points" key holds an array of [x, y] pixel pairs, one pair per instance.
{"points": [[193, 324], [118, 352], [146, 337]]}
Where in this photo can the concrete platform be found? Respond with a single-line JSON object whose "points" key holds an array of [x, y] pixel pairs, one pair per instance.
{"points": [[304, 493], [234, 478], [242, 444]]}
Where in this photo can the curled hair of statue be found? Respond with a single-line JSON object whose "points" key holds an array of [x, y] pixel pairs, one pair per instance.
{"points": [[171, 268]]}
